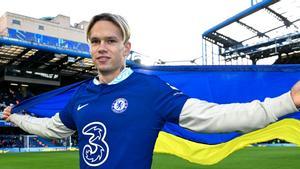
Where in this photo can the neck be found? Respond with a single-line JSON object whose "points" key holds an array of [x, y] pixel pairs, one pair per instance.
{"points": [[107, 77]]}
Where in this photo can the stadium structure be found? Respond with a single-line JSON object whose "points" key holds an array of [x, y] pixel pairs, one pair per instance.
{"points": [[42, 50], [268, 29], [38, 55]]}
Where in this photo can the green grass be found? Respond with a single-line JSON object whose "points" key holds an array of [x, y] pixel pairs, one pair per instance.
{"points": [[248, 158], [40, 160]]}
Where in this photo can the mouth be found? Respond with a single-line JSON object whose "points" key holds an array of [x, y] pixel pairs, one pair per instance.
{"points": [[102, 58]]}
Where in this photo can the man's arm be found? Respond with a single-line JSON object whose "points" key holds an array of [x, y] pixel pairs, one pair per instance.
{"points": [[202, 116], [44, 127], [295, 94]]}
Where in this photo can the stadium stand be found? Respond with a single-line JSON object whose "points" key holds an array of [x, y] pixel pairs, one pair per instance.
{"points": [[36, 58], [9, 96], [269, 28], [10, 141], [33, 61]]}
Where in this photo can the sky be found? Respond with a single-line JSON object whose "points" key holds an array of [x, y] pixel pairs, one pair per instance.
{"points": [[169, 30]]}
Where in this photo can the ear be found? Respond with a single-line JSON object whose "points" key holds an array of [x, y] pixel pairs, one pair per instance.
{"points": [[127, 48]]}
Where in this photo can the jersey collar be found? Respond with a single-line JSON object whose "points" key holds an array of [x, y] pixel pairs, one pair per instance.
{"points": [[126, 72]]}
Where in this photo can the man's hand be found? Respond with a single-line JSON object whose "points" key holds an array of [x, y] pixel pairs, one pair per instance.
{"points": [[295, 93], [6, 113]]}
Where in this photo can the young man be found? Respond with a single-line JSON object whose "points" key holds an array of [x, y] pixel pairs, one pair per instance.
{"points": [[119, 113]]}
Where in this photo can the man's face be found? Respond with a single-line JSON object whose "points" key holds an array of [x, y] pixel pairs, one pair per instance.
{"points": [[107, 47]]}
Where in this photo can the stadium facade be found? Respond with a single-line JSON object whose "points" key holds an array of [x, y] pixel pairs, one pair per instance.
{"points": [[38, 55], [57, 27], [41, 51]]}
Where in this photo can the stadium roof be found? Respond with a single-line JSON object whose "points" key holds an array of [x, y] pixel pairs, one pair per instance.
{"points": [[258, 28], [29, 58]]}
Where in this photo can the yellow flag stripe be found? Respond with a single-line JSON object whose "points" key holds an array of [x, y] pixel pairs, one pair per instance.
{"points": [[287, 129]]}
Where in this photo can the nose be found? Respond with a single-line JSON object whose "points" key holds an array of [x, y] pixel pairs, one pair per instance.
{"points": [[101, 47]]}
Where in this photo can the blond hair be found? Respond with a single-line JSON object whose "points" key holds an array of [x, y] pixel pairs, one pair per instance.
{"points": [[117, 20]]}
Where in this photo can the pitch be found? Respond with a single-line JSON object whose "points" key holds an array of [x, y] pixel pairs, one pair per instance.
{"points": [[248, 158]]}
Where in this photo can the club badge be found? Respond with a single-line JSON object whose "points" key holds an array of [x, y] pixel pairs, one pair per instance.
{"points": [[119, 105]]}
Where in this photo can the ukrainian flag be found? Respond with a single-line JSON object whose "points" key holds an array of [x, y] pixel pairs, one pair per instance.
{"points": [[219, 84]]}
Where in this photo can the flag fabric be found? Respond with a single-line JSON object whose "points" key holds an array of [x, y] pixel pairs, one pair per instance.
{"points": [[205, 154], [219, 84]]}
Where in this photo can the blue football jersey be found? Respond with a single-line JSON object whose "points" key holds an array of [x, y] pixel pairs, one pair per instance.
{"points": [[118, 124]]}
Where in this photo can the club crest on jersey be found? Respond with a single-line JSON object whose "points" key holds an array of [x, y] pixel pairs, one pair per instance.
{"points": [[119, 105]]}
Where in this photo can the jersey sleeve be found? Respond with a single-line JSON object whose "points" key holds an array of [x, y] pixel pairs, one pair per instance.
{"points": [[201, 116], [169, 102]]}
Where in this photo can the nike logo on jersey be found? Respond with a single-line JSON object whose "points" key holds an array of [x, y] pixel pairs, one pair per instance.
{"points": [[81, 106]]}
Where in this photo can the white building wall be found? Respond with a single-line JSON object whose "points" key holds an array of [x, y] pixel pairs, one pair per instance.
{"points": [[58, 27], [3, 25]]}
